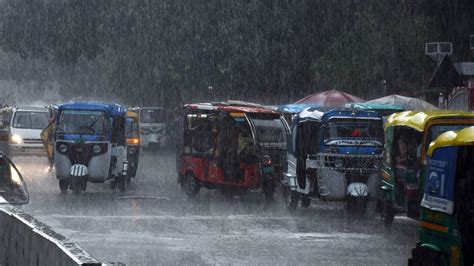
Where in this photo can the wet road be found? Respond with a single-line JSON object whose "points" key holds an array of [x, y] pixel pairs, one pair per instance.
{"points": [[154, 223]]}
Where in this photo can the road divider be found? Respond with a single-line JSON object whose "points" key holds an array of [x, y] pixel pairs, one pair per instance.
{"points": [[27, 241]]}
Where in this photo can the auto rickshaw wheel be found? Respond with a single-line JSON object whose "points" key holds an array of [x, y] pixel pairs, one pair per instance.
{"points": [[190, 185], [387, 213], [113, 184], [122, 183], [305, 202], [63, 185], [291, 199], [356, 205], [77, 185]]}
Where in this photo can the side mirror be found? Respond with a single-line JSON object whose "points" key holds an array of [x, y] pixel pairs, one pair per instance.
{"points": [[13, 188]]}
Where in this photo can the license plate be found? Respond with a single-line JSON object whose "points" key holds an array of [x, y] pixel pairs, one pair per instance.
{"points": [[268, 169]]}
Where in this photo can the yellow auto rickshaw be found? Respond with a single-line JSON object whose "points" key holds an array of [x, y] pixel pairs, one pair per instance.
{"points": [[407, 136], [132, 132], [447, 207]]}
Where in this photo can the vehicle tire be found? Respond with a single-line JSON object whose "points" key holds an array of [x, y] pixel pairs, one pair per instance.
{"points": [[356, 205], [113, 184], [190, 185], [305, 202], [268, 190], [387, 213], [291, 199], [63, 185], [76, 186], [122, 183]]}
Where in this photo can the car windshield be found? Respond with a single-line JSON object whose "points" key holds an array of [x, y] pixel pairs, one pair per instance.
{"points": [[271, 132], [370, 131], [131, 128], [30, 120], [437, 130], [152, 116], [86, 122]]}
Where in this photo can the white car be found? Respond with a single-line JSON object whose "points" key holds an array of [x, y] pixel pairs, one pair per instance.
{"points": [[153, 131], [20, 129]]}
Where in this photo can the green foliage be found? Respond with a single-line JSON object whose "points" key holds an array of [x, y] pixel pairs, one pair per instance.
{"points": [[174, 51]]}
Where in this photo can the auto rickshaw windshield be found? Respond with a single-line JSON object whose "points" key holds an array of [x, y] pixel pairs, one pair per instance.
{"points": [[365, 129], [87, 122], [152, 116], [437, 130], [271, 132], [131, 128]]}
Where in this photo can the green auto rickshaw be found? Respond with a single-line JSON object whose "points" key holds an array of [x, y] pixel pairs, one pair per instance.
{"points": [[407, 136], [447, 207]]}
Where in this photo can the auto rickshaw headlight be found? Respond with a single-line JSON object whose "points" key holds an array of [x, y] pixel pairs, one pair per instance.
{"points": [[377, 164], [63, 148], [96, 149], [339, 163]]}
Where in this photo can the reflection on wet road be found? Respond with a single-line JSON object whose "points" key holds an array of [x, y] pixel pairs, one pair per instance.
{"points": [[154, 223]]}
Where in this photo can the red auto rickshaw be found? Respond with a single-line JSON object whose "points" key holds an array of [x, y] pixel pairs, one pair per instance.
{"points": [[231, 146]]}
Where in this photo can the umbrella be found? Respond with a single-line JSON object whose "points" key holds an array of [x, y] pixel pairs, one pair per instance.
{"points": [[408, 103], [331, 98]]}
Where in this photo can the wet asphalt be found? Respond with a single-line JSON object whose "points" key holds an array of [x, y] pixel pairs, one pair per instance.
{"points": [[154, 223]]}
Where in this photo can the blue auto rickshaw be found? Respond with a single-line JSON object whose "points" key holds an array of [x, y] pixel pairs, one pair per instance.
{"points": [[335, 156], [90, 145]]}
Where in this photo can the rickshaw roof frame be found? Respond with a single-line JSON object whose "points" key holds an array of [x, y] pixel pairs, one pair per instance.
{"points": [[112, 109], [419, 119], [350, 113], [374, 106], [463, 137], [232, 106], [309, 114]]}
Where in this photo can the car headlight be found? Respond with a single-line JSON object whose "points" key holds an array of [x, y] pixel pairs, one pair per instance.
{"points": [[96, 149], [17, 139], [377, 164], [63, 148], [339, 163]]}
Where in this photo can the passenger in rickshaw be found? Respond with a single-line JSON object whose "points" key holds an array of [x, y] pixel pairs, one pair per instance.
{"points": [[405, 160], [226, 150], [464, 206], [234, 148]]}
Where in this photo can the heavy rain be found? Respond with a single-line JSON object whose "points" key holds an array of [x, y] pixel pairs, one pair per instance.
{"points": [[236, 132]]}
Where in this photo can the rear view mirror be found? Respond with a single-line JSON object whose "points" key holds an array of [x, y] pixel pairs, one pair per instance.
{"points": [[13, 188]]}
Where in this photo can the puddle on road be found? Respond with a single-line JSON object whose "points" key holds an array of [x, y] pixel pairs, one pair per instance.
{"points": [[328, 237]]}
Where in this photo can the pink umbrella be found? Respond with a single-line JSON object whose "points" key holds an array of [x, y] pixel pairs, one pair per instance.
{"points": [[331, 98]]}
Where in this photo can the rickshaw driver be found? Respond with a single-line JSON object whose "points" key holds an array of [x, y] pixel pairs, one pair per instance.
{"points": [[246, 150]]}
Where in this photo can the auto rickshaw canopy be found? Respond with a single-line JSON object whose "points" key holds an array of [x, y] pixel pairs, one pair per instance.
{"points": [[112, 109], [464, 137], [133, 115], [419, 120]]}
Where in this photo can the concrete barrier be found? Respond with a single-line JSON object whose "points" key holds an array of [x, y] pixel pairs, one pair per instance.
{"points": [[27, 241]]}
